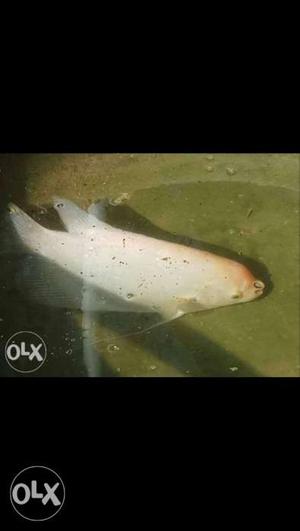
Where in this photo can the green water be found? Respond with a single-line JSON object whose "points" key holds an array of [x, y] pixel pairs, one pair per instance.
{"points": [[242, 206]]}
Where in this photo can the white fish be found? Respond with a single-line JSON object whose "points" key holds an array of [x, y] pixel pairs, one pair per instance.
{"points": [[125, 271], [96, 267]]}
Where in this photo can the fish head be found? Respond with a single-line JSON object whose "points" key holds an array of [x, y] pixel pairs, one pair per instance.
{"points": [[240, 285], [227, 283]]}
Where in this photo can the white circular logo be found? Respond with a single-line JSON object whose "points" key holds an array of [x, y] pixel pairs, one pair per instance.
{"points": [[37, 493], [25, 351]]}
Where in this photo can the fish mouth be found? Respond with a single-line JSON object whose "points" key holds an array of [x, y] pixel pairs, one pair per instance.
{"points": [[259, 285], [259, 292]]}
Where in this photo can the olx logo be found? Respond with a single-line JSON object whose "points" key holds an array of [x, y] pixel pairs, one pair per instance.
{"points": [[37, 493], [33, 493], [25, 351]]}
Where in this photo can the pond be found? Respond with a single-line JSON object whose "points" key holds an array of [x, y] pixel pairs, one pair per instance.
{"points": [[243, 207]]}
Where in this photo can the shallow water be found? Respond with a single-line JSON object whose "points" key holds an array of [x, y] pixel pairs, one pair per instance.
{"points": [[241, 206]]}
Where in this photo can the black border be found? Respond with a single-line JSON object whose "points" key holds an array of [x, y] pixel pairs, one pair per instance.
{"points": [[109, 439], [101, 435]]}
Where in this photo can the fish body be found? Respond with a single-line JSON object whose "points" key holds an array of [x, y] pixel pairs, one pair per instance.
{"points": [[124, 271]]}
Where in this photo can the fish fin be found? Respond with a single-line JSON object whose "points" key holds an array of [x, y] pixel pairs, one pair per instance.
{"points": [[99, 209], [44, 282], [166, 316], [75, 219], [169, 314], [29, 231]]}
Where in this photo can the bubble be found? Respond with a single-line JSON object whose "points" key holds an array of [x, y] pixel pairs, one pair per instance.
{"points": [[153, 367], [113, 348], [209, 169]]}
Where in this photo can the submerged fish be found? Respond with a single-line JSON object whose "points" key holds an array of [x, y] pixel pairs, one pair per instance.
{"points": [[122, 271]]}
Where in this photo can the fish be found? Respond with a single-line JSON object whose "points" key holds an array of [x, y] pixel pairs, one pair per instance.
{"points": [[94, 267], [123, 271]]}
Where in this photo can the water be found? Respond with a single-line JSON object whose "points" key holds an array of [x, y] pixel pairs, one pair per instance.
{"points": [[241, 206]]}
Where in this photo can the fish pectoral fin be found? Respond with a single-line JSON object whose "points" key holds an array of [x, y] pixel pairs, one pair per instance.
{"points": [[184, 305], [74, 218], [169, 314], [165, 318]]}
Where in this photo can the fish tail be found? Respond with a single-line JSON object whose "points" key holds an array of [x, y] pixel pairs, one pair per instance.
{"points": [[28, 230]]}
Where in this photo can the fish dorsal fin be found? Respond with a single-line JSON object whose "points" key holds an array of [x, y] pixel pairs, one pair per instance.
{"points": [[75, 219]]}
